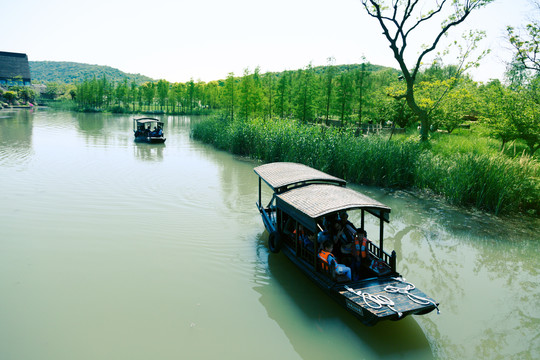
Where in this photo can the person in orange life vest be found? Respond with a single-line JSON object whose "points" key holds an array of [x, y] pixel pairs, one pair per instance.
{"points": [[326, 255], [362, 254], [359, 253]]}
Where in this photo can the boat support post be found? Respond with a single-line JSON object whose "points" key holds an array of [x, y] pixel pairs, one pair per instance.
{"points": [[381, 234], [260, 201]]}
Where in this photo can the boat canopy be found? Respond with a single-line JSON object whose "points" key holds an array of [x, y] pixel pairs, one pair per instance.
{"points": [[310, 203], [147, 120], [280, 175]]}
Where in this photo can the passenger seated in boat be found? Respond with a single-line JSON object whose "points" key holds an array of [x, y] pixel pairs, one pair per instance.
{"points": [[335, 234], [326, 256], [305, 239], [289, 227], [322, 237], [329, 221], [330, 230], [346, 234]]}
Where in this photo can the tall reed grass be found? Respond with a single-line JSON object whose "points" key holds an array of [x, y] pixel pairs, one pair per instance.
{"points": [[489, 182]]}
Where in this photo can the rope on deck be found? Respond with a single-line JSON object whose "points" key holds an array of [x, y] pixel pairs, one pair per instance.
{"points": [[406, 291], [378, 300]]}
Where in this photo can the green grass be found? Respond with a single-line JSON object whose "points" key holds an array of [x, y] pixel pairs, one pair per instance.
{"points": [[466, 169]]}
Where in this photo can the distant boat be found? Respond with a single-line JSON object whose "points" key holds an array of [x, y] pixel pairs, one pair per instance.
{"points": [[308, 206], [149, 130]]}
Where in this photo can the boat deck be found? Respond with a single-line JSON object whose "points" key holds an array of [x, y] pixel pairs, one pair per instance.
{"points": [[402, 302]]}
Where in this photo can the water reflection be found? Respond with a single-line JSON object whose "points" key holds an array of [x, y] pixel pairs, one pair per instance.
{"points": [[483, 269], [91, 124], [16, 129], [149, 152]]}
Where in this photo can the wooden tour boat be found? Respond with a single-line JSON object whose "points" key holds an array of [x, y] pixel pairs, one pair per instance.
{"points": [[304, 208], [148, 130]]}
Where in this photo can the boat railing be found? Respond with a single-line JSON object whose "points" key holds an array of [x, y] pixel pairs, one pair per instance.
{"points": [[389, 259], [308, 254]]}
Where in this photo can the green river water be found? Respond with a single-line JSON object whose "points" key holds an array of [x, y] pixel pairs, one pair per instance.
{"points": [[115, 250]]}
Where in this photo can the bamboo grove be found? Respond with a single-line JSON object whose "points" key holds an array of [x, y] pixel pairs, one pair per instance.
{"points": [[346, 95]]}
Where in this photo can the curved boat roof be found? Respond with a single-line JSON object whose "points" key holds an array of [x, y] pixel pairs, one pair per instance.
{"points": [[282, 174], [145, 120], [322, 199]]}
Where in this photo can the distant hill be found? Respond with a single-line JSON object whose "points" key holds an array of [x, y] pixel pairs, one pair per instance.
{"points": [[72, 72]]}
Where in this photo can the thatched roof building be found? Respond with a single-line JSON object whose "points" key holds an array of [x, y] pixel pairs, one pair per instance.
{"points": [[13, 68]]}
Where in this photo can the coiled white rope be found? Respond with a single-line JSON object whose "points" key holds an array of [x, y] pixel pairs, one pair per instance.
{"points": [[378, 300], [405, 291]]}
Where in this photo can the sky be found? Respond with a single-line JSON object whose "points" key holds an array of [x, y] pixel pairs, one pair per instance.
{"points": [[179, 40]]}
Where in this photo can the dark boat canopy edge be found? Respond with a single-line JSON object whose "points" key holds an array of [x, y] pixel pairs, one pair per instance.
{"points": [[145, 120], [315, 201], [282, 174]]}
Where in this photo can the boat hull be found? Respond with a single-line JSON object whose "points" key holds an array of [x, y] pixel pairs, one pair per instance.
{"points": [[364, 309], [150, 139], [307, 206]]}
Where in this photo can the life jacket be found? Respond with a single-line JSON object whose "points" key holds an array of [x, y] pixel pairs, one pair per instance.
{"points": [[360, 247], [323, 255]]}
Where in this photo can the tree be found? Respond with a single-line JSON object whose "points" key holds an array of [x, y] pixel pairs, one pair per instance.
{"points": [[399, 19], [527, 46], [344, 94], [173, 98], [229, 95], [283, 93], [133, 92], [180, 90], [527, 51], [10, 96], [516, 75], [26, 94], [191, 90], [329, 85], [362, 83], [148, 92], [162, 92], [52, 91], [122, 92], [305, 90], [250, 95], [246, 89], [513, 115], [459, 103], [269, 90]]}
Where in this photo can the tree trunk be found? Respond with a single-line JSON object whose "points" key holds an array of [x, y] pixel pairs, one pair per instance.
{"points": [[422, 114]]}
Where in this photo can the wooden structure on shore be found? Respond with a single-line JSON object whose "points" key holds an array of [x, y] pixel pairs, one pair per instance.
{"points": [[14, 69]]}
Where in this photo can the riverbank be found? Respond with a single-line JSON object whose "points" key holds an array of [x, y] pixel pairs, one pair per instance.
{"points": [[489, 182]]}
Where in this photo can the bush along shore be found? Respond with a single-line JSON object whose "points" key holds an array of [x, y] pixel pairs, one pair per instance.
{"points": [[489, 182]]}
